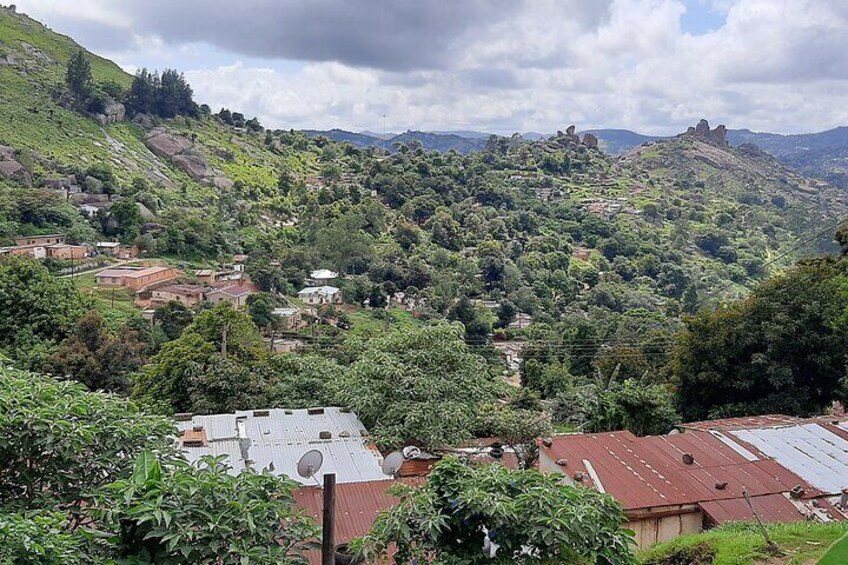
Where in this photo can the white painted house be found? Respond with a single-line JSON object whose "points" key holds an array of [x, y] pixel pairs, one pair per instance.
{"points": [[320, 295]]}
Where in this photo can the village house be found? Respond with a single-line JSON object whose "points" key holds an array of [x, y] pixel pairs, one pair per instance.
{"points": [[205, 276], [275, 440], [320, 295], [108, 248], [186, 294], [289, 318], [235, 294], [680, 483], [127, 252], [62, 251], [521, 321], [136, 278], [36, 251], [323, 277], [43, 240]]}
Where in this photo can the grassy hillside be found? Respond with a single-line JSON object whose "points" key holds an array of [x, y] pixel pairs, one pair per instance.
{"points": [[743, 544]]}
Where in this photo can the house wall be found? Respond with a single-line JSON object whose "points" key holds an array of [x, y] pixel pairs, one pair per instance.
{"points": [[66, 252], [656, 525], [40, 240], [185, 300], [136, 283], [654, 530]]}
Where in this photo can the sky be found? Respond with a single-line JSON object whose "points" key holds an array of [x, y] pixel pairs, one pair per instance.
{"points": [[500, 66]]}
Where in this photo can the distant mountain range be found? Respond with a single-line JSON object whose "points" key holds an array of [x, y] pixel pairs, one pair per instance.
{"points": [[822, 155]]}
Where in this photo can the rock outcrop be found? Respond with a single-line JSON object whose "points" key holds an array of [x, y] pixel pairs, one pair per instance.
{"points": [[590, 141], [571, 135], [13, 170], [702, 131], [181, 151], [7, 153], [113, 113], [144, 120]]}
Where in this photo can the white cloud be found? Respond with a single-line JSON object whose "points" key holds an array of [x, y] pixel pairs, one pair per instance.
{"points": [[775, 65]]}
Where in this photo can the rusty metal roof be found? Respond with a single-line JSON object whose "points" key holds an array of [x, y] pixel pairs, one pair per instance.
{"points": [[743, 422], [650, 472], [769, 507], [357, 506]]}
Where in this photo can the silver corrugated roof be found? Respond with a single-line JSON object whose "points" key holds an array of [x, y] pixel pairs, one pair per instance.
{"points": [[278, 438], [812, 452]]}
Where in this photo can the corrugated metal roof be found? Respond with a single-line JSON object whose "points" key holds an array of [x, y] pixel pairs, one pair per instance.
{"points": [[276, 439], [650, 471], [357, 505], [743, 422], [810, 450], [770, 508]]}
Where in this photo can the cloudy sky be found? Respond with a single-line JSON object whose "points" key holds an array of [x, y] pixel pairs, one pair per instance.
{"points": [[501, 66]]}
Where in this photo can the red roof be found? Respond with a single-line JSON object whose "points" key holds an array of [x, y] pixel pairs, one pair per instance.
{"points": [[357, 505], [650, 472], [743, 422], [770, 508]]}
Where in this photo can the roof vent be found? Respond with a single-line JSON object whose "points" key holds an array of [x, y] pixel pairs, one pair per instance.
{"points": [[688, 459], [547, 442], [721, 486], [579, 476], [796, 492], [314, 411], [562, 462], [260, 413], [183, 417], [344, 433], [197, 428], [325, 435]]}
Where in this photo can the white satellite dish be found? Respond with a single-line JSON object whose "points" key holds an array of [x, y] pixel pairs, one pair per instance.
{"points": [[411, 452], [310, 463], [393, 462]]}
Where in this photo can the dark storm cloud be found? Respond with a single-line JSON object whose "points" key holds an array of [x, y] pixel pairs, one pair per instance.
{"points": [[382, 34]]}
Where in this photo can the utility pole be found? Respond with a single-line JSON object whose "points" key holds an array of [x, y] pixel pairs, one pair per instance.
{"points": [[328, 545]]}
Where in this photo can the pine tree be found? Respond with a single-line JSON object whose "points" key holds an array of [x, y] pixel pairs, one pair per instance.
{"points": [[78, 76]]}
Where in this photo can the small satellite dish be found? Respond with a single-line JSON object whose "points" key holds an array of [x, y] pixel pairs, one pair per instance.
{"points": [[393, 462], [310, 463]]}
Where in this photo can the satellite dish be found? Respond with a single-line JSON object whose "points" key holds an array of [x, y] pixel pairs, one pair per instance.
{"points": [[310, 464], [393, 462]]}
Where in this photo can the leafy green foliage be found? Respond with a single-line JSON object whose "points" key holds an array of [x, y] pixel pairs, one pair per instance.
{"points": [[78, 76], [781, 350], [37, 308], [532, 518], [39, 539], [421, 385], [172, 512], [59, 442], [98, 358]]}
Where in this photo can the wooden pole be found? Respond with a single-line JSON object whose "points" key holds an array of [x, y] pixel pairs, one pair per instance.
{"points": [[769, 544], [328, 545]]}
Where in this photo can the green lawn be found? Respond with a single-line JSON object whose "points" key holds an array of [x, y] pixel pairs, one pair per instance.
{"points": [[742, 544], [115, 304], [364, 324]]}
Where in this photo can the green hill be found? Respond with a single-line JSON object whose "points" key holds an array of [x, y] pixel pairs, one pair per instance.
{"points": [[552, 225]]}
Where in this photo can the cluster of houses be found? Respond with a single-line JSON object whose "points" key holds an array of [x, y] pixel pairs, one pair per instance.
{"points": [[53, 246], [773, 468], [157, 285]]}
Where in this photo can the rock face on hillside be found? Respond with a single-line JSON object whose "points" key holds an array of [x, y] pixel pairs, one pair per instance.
{"points": [[702, 131], [13, 170], [181, 151], [113, 113], [590, 141]]}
